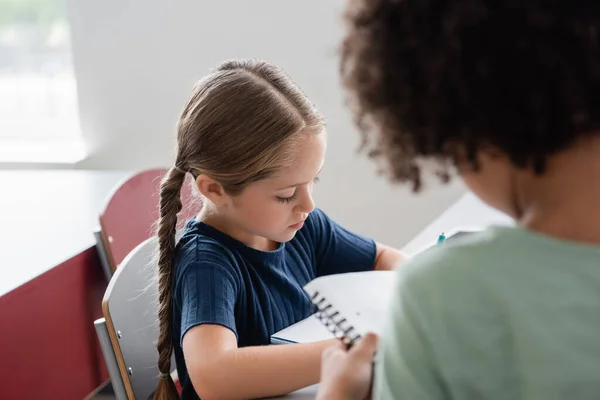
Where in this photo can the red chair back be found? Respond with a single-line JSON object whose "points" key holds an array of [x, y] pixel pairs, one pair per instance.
{"points": [[132, 210]]}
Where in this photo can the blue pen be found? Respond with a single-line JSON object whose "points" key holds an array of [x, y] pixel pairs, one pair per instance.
{"points": [[441, 239]]}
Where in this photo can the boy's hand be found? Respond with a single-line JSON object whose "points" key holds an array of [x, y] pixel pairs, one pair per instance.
{"points": [[346, 375]]}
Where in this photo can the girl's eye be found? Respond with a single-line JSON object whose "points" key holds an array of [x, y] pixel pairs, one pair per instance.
{"points": [[286, 199], [293, 197]]}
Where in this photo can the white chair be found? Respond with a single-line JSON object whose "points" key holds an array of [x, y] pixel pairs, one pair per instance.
{"points": [[129, 329]]}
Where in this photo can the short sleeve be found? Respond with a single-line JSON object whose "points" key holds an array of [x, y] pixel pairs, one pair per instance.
{"points": [[338, 250], [405, 363], [207, 293]]}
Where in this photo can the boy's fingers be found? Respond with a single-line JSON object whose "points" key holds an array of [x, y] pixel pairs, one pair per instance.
{"points": [[333, 350], [367, 346]]}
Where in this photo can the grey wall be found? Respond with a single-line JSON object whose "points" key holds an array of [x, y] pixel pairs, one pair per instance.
{"points": [[136, 60]]}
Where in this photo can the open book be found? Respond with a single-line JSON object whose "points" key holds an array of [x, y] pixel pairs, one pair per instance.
{"points": [[348, 306], [359, 298]]}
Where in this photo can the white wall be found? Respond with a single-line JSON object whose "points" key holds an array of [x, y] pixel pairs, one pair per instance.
{"points": [[136, 61]]}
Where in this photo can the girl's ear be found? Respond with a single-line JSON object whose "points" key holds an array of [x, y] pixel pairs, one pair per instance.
{"points": [[212, 190]]}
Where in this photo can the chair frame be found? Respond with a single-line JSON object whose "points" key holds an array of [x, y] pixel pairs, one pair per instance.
{"points": [[103, 254], [111, 361], [109, 337], [112, 332]]}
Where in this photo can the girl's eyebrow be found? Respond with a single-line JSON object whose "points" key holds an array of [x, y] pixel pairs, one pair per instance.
{"points": [[301, 183]]}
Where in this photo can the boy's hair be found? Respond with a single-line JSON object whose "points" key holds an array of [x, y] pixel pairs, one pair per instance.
{"points": [[237, 127], [430, 79]]}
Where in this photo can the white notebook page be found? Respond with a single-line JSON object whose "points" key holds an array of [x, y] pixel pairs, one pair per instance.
{"points": [[362, 298], [308, 330]]}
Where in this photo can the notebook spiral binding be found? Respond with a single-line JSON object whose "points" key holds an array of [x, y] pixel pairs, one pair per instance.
{"points": [[334, 321]]}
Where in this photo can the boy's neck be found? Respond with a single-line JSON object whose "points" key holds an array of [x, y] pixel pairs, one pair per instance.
{"points": [[565, 201]]}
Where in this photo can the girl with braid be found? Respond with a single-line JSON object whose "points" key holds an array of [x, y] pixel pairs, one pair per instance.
{"points": [[255, 146]]}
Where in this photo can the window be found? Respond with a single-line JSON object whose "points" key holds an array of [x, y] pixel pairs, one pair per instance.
{"points": [[38, 103]]}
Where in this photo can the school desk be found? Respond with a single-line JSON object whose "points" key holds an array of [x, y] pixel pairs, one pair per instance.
{"points": [[467, 213], [51, 284]]}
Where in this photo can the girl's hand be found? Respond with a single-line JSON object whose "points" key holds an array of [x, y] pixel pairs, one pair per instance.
{"points": [[346, 375]]}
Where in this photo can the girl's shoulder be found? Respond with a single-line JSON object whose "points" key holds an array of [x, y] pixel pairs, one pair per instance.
{"points": [[198, 249]]}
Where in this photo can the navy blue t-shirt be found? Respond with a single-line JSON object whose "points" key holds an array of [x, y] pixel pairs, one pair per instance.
{"points": [[219, 280]]}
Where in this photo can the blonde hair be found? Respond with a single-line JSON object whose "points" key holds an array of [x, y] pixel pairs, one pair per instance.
{"points": [[237, 128]]}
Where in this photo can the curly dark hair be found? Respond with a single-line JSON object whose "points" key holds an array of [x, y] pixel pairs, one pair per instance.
{"points": [[429, 77]]}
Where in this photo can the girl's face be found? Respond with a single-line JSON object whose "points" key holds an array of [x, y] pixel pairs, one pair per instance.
{"points": [[276, 208]]}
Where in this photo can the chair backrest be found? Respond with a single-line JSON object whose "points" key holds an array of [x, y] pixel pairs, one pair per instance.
{"points": [[130, 310], [110, 360], [132, 210]]}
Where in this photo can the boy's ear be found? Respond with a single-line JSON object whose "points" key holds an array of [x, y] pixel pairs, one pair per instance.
{"points": [[212, 190]]}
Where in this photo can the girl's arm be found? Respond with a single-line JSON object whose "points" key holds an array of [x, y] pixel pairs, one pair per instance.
{"points": [[388, 258], [219, 369]]}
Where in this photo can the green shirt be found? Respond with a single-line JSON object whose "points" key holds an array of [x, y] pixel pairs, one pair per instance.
{"points": [[502, 314]]}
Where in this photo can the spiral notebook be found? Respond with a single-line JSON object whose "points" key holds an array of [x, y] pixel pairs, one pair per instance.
{"points": [[348, 306]]}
